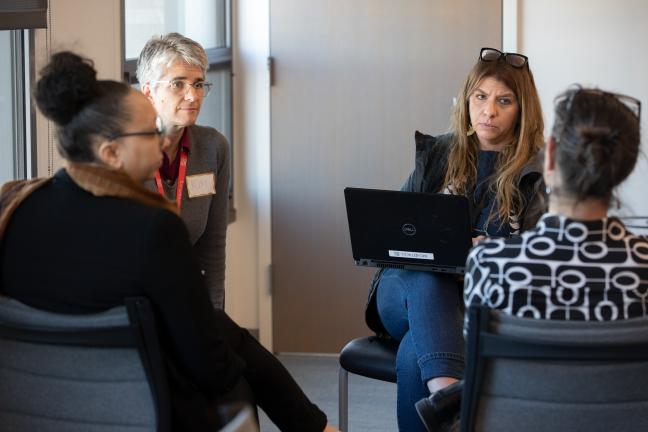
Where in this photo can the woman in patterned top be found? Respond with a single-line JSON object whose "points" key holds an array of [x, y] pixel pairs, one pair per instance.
{"points": [[577, 263]]}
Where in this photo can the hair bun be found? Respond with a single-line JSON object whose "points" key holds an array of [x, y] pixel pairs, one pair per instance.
{"points": [[67, 84], [597, 142], [596, 134], [597, 158]]}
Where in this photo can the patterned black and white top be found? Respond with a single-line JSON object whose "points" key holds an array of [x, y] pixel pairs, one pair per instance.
{"points": [[563, 269]]}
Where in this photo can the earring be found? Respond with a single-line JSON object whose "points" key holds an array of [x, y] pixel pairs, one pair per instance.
{"points": [[548, 190], [471, 131]]}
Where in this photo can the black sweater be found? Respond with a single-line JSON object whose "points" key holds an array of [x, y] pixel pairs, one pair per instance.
{"points": [[68, 251]]}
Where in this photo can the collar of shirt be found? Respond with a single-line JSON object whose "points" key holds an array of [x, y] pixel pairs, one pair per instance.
{"points": [[578, 231], [169, 169]]}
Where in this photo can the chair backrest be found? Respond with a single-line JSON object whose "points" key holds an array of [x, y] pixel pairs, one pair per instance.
{"points": [[540, 375], [90, 373]]}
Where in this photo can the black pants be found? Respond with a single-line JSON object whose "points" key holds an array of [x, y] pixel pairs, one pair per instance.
{"points": [[272, 387]]}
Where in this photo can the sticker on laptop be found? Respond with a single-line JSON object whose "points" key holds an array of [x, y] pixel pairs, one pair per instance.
{"points": [[414, 255]]}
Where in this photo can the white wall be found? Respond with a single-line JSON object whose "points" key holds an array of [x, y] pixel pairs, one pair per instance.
{"points": [[593, 42], [248, 239]]}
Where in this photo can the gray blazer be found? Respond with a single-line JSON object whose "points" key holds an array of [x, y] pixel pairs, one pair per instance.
{"points": [[206, 217]]}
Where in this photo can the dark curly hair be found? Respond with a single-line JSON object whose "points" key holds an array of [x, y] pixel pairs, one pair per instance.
{"points": [[84, 108]]}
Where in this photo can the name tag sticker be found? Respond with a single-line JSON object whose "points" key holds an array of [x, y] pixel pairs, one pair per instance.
{"points": [[201, 185], [414, 255]]}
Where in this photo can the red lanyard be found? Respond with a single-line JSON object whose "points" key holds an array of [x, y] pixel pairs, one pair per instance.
{"points": [[181, 179]]}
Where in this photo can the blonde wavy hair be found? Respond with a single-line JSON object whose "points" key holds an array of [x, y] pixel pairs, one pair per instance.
{"points": [[528, 137]]}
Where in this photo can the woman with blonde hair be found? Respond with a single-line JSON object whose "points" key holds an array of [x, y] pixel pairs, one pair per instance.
{"points": [[491, 156]]}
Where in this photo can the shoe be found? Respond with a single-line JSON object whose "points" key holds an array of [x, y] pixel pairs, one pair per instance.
{"points": [[439, 409], [427, 414]]}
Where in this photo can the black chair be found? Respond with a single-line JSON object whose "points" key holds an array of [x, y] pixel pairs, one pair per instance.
{"points": [[91, 373], [541, 375], [372, 357]]}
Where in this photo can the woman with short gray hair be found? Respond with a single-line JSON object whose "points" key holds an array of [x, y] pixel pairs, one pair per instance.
{"points": [[171, 70]]}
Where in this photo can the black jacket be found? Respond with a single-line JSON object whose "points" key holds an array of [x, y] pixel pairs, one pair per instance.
{"points": [[68, 251], [430, 166]]}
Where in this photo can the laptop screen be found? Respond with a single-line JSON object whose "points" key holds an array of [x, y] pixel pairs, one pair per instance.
{"points": [[408, 230]]}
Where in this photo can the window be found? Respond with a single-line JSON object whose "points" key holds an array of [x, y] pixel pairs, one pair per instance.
{"points": [[205, 21], [13, 119], [17, 151]]}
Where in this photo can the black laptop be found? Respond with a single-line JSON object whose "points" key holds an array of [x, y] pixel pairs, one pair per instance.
{"points": [[409, 230]]}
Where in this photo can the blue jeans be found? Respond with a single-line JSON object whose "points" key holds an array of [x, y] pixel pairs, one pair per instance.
{"points": [[424, 311]]}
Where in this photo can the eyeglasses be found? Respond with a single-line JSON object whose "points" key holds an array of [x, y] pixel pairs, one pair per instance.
{"points": [[633, 104], [181, 87], [159, 130], [514, 59]]}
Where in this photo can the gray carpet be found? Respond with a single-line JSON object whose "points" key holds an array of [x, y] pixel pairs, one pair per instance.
{"points": [[372, 403]]}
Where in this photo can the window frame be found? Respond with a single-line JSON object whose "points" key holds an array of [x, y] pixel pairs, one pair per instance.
{"points": [[18, 97], [22, 19], [22, 143]]}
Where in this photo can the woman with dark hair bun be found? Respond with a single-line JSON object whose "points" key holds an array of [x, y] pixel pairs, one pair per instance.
{"points": [[578, 263], [95, 235]]}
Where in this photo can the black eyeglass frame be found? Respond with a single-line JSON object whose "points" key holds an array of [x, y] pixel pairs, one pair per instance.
{"points": [[633, 104], [504, 56], [159, 130]]}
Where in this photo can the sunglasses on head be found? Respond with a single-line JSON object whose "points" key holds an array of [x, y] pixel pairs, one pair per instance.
{"points": [[514, 59], [633, 104]]}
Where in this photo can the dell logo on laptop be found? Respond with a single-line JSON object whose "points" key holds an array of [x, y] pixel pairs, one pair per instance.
{"points": [[408, 229]]}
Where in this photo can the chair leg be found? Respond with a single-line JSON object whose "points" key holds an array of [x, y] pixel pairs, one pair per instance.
{"points": [[343, 400]]}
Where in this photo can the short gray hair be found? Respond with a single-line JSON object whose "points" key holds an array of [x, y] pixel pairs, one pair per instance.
{"points": [[161, 51]]}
